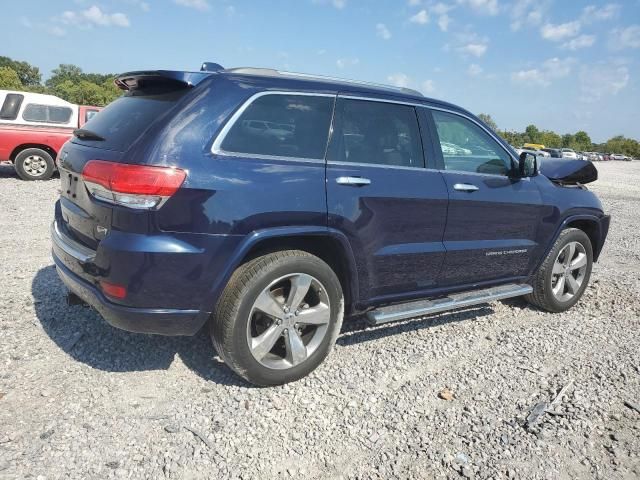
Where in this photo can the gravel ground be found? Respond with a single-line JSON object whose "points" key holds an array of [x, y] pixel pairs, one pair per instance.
{"points": [[82, 400]]}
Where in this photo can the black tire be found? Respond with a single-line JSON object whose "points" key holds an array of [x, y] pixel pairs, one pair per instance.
{"points": [[27, 155], [229, 324], [542, 295]]}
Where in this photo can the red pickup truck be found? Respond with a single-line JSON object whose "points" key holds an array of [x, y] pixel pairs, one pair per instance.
{"points": [[33, 128]]}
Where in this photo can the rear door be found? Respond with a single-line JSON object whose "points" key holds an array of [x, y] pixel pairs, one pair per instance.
{"points": [[493, 217], [380, 194]]}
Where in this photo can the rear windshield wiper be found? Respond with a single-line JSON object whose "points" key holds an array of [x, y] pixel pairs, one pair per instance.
{"points": [[87, 135]]}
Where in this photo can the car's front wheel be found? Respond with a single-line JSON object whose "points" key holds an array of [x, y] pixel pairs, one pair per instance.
{"points": [[564, 275], [278, 317]]}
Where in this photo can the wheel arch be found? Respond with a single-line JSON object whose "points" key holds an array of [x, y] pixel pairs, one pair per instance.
{"points": [[330, 245], [16, 151], [589, 224]]}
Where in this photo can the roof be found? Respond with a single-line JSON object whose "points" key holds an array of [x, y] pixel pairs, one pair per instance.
{"points": [[40, 98]]}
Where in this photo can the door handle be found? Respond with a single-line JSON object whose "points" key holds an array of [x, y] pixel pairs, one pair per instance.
{"points": [[353, 181], [465, 187]]}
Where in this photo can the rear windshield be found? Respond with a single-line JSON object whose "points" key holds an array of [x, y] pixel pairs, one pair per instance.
{"points": [[123, 121]]}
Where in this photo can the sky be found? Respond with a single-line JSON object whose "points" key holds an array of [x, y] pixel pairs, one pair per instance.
{"points": [[561, 65]]}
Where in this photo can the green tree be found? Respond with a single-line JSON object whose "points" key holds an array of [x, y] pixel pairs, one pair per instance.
{"points": [[532, 134], [486, 118], [28, 74], [581, 141], [64, 72], [9, 79], [567, 140]]}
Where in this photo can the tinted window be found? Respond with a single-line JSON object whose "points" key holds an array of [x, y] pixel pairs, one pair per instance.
{"points": [[376, 133], [46, 113], [468, 148], [124, 120], [11, 106], [282, 126]]}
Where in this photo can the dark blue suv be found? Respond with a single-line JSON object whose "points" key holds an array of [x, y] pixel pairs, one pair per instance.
{"points": [[270, 204]]}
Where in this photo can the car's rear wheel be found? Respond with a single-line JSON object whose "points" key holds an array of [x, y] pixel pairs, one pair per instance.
{"points": [[564, 275], [34, 164], [278, 317]]}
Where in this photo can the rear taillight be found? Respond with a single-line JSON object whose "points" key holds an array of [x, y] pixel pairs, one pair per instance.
{"points": [[134, 186]]}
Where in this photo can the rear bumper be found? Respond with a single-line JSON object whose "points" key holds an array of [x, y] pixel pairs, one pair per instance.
{"points": [[140, 320]]}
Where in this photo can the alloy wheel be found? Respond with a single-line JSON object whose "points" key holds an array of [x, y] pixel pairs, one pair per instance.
{"points": [[288, 321], [569, 270], [34, 165]]}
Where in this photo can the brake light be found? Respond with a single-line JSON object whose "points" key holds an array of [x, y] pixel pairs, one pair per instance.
{"points": [[134, 186]]}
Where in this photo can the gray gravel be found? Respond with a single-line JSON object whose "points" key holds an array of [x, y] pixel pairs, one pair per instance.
{"points": [[82, 400]]}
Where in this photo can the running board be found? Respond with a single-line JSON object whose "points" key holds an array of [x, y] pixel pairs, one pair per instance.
{"points": [[403, 311]]}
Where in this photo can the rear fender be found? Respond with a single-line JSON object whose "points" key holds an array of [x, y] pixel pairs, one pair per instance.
{"points": [[286, 233]]}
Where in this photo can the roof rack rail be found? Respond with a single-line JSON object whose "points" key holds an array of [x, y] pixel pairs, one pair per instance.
{"points": [[308, 76]]}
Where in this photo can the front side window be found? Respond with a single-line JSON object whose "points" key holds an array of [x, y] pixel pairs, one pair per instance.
{"points": [[46, 113], [376, 133], [282, 126], [11, 106], [468, 148]]}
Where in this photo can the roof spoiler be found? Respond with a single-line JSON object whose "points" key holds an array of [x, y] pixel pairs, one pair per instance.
{"points": [[134, 80]]}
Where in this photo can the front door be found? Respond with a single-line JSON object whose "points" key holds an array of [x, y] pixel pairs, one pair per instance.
{"points": [[493, 217], [379, 193]]}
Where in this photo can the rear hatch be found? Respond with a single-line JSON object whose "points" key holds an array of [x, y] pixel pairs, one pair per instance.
{"points": [[111, 136]]}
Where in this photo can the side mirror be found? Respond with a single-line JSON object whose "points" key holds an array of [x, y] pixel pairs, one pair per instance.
{"points": [[527, 165]]}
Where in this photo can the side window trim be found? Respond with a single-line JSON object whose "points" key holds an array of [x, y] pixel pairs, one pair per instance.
{"points": [[216, 147], [434, 160], [377, 165], [436, 138]]}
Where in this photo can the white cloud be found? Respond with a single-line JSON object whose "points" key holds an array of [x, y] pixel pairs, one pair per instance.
{"points": [[582, 41], [528, 13], [201, 5], [543, 76], [399, 80], [339, 4], [94, 16], [414, 3], [594, 87], [428, 86], [474, 70], [555, 33], [443, 22], [475, 49], [382, 31], [56, 31], [421, 18], [485, 7], [628, 37], [441, 8], [347, 62], [607, 12]]}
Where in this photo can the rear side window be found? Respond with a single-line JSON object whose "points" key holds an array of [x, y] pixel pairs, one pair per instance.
{"points": [[124, 120], [46, 113], [282, 126], [376, 133], [468, 148], [11, 106]]}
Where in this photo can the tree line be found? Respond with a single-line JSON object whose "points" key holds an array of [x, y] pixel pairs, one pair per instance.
{"points": [[67, 81], [70, 83], [579, 141]]}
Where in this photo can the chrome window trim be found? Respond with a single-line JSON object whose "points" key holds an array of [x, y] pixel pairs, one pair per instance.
{"points": [[375, 165], [216, 147]]}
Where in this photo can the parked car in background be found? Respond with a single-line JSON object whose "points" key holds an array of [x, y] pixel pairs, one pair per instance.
{"points": [[382, 202], [569, 153], [33, 128], [553, 152], [618, 156]]}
